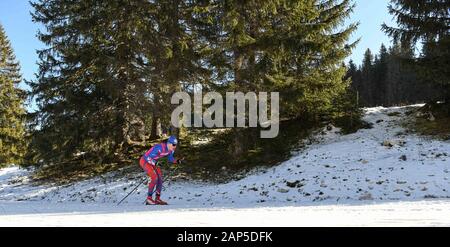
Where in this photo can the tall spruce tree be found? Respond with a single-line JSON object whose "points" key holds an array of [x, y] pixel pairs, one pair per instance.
{"points": [[380, 70], [352, 69], [91, 83], [305, 65], [426, 21], [12, 112], [176, 51], [111, 66], [241, 45], [292, 47], [366, 78]]}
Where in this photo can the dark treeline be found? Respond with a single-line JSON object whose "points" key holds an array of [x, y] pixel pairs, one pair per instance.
{"points": [[426, 22], [397, 75], [386, 79]]}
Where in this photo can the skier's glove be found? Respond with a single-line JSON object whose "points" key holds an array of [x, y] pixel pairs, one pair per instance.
{"points": [[179, 161]]}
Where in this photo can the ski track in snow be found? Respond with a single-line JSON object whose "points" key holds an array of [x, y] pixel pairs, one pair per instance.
{"points": [[341, 180]]}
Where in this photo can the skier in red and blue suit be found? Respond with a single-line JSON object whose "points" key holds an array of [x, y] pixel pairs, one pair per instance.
{"points": [[148, 162]]}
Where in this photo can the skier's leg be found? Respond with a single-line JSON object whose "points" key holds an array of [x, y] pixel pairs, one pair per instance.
{"points": [[159, 187], [151, 185], [142, 163], [159, 181], [148, 168], [153, 179]]}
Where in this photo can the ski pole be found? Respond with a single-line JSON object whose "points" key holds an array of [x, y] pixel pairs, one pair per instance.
{"points": [[145, 179]]}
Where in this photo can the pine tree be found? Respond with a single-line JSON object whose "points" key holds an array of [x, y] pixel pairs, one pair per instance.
{"points": [[291, 47], [177, 51], [351, 71], [403, 84], [107, 80], [354, 75], [379, 80], [351, 74], [12, 112], [427, 22], [287, 46], [91, 82], [366, 78], [240, 44]]}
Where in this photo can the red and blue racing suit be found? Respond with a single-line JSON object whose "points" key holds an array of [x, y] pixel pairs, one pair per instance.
{"points": [[148, 163]]}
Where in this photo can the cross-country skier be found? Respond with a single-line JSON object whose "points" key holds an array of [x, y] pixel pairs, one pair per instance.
{"points": [[148, 162]]}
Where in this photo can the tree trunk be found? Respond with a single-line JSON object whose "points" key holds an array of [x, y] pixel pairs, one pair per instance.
{"points": [[155, 131], [238, 146]]}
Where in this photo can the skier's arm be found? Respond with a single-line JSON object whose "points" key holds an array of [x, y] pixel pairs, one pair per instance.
{"points": [[171, 158], [175, 161]]}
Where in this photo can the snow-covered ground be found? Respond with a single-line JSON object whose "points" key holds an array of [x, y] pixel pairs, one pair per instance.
{"points": [[340, 180], [417, 213]]}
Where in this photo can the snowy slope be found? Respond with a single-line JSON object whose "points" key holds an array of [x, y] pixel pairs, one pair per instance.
{"points": [[344, 175]]}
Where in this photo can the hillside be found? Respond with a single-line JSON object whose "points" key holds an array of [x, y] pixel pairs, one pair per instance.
{"points": [[371, 174]]}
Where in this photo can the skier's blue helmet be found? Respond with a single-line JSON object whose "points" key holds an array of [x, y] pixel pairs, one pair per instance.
{"points": [[172, 140]]}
